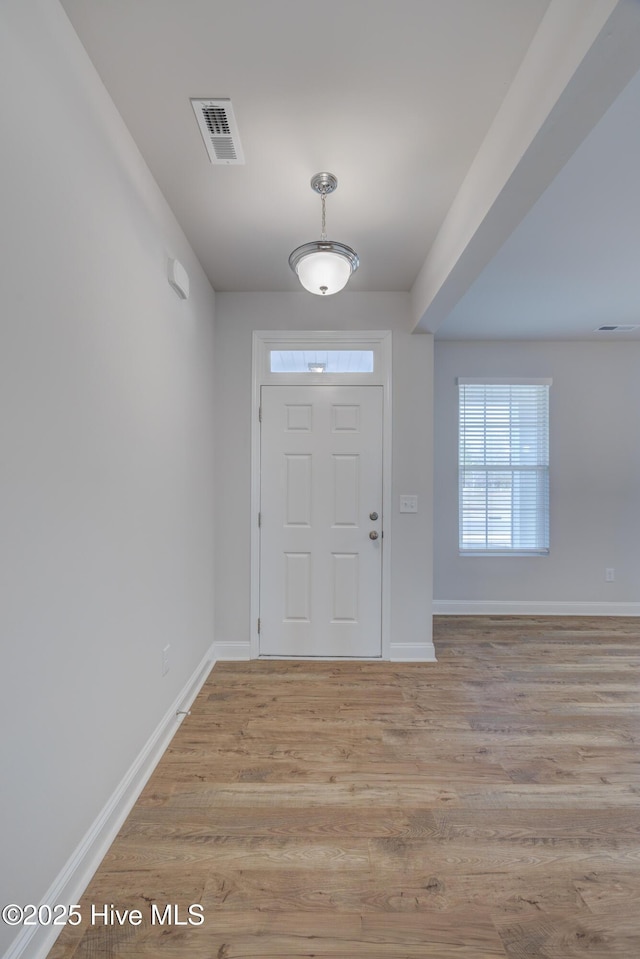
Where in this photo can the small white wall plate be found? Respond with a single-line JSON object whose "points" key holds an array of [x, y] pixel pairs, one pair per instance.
{"points": [[178, 278]]}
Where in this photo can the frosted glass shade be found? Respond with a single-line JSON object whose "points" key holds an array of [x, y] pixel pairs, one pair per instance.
{"points": [[324, 267], [324, 272]]}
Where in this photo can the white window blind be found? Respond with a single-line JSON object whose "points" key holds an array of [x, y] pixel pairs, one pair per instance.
{"points": [[504, 466]]}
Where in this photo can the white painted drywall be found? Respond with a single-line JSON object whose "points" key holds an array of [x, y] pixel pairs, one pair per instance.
{"points": [[594, 474], [237, 315], [106, 411]]}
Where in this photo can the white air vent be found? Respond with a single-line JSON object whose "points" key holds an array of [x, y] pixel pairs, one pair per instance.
{"points": [[615, 329], [219, 130]]}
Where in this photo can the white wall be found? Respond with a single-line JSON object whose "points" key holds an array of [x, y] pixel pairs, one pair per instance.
{"points": [[237, 315], [594, 477], [106, 410]]}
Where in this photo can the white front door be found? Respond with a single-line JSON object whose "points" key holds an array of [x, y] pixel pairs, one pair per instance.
{"points": [[321, 521]]}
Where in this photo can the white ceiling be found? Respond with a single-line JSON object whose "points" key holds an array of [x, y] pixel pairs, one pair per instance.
{"points": [[447, 122], [573, 263]]}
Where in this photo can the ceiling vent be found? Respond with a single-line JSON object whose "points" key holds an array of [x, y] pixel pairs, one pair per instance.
{"points": [[615, 329], [219, 130]]}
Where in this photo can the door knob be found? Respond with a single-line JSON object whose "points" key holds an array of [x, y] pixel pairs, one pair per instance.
{"points": [[373, 534], [373, 516]]}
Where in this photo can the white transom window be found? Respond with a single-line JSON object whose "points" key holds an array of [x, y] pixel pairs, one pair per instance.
{"points": [[321, 361]]}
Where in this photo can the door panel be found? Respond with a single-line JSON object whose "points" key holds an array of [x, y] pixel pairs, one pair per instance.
{"points": [[346, 489], [321, 477], [298, 489]]}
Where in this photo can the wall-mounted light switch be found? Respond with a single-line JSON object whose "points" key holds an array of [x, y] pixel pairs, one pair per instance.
{"points": [[408, 504]]}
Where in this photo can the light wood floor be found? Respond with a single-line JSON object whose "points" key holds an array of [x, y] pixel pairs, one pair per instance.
{"points": [[483, 807]]}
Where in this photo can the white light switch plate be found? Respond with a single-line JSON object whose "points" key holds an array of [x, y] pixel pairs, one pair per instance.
{"points": [[408, 504]]}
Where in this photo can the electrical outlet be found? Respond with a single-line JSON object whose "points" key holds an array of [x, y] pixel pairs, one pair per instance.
{"points": [[609, 574], [165, 660]]}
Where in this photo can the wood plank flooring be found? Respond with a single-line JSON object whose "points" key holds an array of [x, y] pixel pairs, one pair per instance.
{"points": [[484, 807]]}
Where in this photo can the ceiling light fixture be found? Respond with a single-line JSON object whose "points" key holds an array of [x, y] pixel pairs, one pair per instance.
{"points": [[324, 266]]}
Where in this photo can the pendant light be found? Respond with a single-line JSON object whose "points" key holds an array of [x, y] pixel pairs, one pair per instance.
{"points": [[324, 266]]}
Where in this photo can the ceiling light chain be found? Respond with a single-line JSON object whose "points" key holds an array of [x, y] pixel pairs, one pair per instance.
{"points": [[324, 266]]}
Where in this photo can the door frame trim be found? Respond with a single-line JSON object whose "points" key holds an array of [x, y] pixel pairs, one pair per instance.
{"points": [[380, 342]]}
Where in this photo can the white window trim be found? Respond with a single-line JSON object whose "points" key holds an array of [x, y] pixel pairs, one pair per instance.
{"points": [[492, 381], [380, 342]]}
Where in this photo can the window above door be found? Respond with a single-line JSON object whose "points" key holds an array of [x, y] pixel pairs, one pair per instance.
{"points": [[321, 361], [322, 357]]}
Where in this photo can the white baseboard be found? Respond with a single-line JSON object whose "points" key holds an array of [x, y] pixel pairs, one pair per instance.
{"points": [[35, 942], [234, 652], [412, 653], [489, 607]]}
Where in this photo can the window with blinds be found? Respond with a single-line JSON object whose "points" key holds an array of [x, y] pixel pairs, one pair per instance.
{"points": [[504, 466]]}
